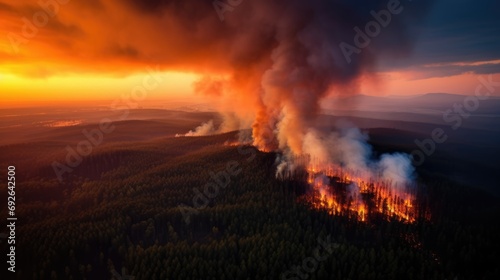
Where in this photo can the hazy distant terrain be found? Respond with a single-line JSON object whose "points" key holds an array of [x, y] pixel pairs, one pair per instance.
{"points": [[471, 153], [56, 124]]}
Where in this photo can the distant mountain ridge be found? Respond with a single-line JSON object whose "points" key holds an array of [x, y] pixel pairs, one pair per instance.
{"points": [[436, 103]]}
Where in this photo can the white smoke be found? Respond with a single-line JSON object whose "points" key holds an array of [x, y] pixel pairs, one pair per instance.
{"points": [[230, 122], [204, 129], [349, 149], [397, 169]]}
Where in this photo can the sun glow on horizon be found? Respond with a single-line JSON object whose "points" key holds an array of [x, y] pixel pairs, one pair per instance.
{"points": [[27, 91]]}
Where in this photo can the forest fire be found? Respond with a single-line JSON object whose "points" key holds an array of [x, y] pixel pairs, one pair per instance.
{"points": [[343, 194], [297, 65]]}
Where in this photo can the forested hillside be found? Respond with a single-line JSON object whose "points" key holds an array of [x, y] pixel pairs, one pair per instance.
{"points": [[117, 216]]}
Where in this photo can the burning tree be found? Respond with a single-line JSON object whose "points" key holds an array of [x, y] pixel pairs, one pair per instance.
{"points": [[345, 192]]}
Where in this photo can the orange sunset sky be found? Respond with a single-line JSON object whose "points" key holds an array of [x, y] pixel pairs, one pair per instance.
{"points": [[98, 50]]}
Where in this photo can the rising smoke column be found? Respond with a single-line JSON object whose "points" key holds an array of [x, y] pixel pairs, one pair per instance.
{"points": [[290, 59], [276, 60], [273, 61], [307, 64]]}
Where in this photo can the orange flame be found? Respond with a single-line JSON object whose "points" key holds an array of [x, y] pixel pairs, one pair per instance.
{"points": [[341, 192]]}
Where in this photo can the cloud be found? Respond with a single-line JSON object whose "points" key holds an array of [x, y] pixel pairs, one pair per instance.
{"points": [[455, 68], [6, 7], [188, 35]]}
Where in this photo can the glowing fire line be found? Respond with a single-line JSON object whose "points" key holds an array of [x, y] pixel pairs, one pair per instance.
{"points": [[384, 199]]}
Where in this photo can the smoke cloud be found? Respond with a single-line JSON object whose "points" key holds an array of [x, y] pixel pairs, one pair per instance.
{"points": [[230, 122], [203, 130], [274, 61], [348, 149], [282, 57]]}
